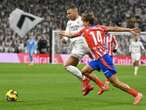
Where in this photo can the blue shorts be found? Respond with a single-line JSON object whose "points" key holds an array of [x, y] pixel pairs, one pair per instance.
{"points": [[105, 64]]}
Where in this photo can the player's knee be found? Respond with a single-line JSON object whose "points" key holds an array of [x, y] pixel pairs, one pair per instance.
{"points": [[86, 72], [66, 67]]}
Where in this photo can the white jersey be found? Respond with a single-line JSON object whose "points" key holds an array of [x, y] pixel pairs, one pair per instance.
{"points": [[78, 44], [74, 26], [135, 47]]}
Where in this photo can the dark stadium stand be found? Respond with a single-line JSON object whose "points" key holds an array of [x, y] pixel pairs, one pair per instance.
{"points": [[126, 13]]}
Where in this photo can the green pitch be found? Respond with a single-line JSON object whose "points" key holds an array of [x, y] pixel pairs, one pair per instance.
{"points": [[50, 87]]}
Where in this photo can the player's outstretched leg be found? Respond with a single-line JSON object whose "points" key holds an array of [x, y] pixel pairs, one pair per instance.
{"points": [[87, 70], [70, 65], [123, 86], [86, 86]]}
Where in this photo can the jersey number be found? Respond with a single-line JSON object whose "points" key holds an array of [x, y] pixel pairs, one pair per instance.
{"points": [[96, 37]]}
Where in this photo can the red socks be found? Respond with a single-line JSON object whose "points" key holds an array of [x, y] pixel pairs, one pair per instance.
{"points": [[99, 83], [133, 92]]}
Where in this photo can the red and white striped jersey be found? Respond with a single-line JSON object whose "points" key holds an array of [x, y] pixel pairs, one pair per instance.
{"points": [[111, 43], [95, 38]]}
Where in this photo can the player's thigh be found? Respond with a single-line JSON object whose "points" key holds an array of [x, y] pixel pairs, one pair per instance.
{"points": [[114, 79], [75, 56], [79, 51], [71, 60], [87, 69]]}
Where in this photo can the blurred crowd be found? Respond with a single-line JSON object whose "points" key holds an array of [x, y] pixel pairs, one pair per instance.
{"points": [[126, 13]]}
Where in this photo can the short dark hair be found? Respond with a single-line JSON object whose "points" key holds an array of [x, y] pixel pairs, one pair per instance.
{"points": [[72, 6], [88, 17]]}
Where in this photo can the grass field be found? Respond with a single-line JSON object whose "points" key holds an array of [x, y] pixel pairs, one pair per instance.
{"points": [[50, 87]]}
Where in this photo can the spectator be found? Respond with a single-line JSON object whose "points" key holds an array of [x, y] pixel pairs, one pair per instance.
{"points": [[43, 45], [127, 13]]}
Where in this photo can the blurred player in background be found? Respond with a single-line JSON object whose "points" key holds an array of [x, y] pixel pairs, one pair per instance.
{"points": [[79, 49], [31, 46], [135, 49], [111, 46], [95, 36]]}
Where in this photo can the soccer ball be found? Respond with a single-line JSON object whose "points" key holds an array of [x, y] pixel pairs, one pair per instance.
{"points": [[11, 95]]}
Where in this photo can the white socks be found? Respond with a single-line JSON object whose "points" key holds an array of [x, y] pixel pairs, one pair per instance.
{"points": [[136, 70], [75, 71]]}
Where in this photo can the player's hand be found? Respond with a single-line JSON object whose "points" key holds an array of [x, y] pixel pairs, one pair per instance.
{"points": [[62, 34], [65, 40], [66, 34], [135, 31]]}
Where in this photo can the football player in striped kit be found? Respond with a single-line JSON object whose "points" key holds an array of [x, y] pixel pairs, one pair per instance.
{"points": [[95, 36]]}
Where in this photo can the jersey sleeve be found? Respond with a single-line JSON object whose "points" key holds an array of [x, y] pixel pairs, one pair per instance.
{"points": [[81, 26], [67, 27], [104, 28], [79, 33], [141, 45]]}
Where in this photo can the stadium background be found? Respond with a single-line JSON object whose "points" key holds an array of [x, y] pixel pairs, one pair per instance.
{"points": [[126, 13], [50, 87]]}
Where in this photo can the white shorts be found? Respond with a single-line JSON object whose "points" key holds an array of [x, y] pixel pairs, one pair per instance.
{"points": [[135, 57], [79, 49]]}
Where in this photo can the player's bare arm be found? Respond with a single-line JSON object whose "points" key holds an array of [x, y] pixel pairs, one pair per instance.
{"points": [[122, 29], [69, 34]]}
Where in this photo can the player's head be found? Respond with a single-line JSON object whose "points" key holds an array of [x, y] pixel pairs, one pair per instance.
{"points": [[30, 34], [136, 39], [88, 19], [72, 12]]}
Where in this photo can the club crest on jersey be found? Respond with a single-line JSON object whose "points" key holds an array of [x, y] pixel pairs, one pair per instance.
{"points": [[74, 28]]}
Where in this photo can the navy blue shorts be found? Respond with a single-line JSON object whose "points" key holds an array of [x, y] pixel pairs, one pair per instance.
{"points": [[105, 64]]}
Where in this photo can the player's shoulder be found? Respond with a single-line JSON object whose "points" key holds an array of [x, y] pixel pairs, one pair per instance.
{"points": [[96, 27], [78, 21], [140, 43], [101, 27], [79, 18], [69, 22]]}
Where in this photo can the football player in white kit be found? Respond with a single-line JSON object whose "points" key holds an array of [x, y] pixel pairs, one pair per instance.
{"points": [[79, 49], [135, 50], [78, 46]]}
